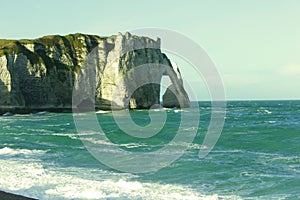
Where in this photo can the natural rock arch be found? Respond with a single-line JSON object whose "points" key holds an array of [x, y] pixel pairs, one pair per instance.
{"points": [[144, 96]]}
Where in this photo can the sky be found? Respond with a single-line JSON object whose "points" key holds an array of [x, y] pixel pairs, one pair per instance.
{"points": [[254, 44]]}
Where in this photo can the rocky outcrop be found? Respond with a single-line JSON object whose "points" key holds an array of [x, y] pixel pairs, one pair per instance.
{"points": [[42, 74]]}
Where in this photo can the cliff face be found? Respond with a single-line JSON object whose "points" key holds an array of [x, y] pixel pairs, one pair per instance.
{"points": [[41, 74]]}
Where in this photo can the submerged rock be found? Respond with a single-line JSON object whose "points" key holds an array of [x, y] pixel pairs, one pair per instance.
{"points": [[41, 74]]}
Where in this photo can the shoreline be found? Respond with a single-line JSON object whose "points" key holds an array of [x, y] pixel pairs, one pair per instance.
{"points": [[10, 196], [17, 110], [8, 111]]}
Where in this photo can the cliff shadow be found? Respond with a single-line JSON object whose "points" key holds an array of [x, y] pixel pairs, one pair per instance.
{"points": [[38, 81], [4, 98], [26, 89], [4, 94]]}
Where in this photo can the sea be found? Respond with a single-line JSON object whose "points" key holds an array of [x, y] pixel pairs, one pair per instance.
{"points": [[257, 156]]}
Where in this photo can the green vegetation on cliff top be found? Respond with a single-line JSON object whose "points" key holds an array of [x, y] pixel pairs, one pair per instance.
{"points": [[71, 44]]}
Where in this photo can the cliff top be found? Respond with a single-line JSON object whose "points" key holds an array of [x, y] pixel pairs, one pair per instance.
{"points": [[72, 40], [42, 50]]}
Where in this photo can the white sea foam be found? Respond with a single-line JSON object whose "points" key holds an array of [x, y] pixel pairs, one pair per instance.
{"points": [[134, 145], [264, 110], [6, 151], [57, 125], [180, 110], [158, 110], [70, 135], [87, 136], [229, 151], [32, 179], [102, 111]]}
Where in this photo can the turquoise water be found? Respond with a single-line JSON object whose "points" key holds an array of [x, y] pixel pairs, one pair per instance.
{"points": [[256, 157]]}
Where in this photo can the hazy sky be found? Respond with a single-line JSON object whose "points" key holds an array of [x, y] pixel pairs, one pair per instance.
{"points": [[255, 44]]}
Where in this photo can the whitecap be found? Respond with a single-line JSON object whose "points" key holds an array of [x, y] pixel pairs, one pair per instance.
{"points": [[267, 111], [70, 135], [6, 151], [41, 113]]}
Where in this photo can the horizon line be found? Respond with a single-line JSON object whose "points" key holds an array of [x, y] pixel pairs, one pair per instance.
{"points": [[248, 100]]}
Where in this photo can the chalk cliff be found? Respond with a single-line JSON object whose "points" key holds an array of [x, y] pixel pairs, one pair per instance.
{"points": [[42, 74]]}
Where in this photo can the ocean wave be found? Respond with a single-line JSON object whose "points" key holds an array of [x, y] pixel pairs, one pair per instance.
{"points": [[253, 174], [82, 136], [271, 122], [32, 179], [70, 135], [41, 113], [58, 125], [262, 110]]}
